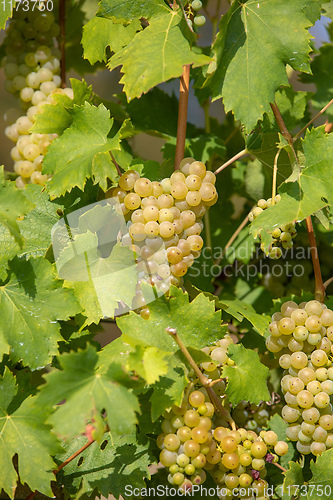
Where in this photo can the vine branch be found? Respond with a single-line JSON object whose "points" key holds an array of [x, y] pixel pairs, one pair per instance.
{"points": [[62, 41], [296, 136], [182, 115], [320, 288], [274, 176], [283, 129], [232, 160], [204, 381]]}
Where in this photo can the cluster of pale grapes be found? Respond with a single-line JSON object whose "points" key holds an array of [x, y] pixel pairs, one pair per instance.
{"points": [[164, 223], [282, 236], [32, 68], [196, 440], [302, 337]]}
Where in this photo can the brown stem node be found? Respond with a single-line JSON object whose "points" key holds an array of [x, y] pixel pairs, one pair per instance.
{"points": [[320, 288]]}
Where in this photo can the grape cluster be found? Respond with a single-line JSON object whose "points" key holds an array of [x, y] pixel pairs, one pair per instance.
{"points": [[302, 337], [164, 222], [195, 440], [31, 67], [282, 236]]}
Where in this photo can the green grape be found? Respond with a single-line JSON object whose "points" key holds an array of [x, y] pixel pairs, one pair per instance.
{"points": [[191, 418], [132, 201], [317, 448], [258, 449], [196, 5], [230, 460], [313, 307], [295, 385], [321, 400], [290, 414], [228, 444], [314, 387], [305, 399], [298, 360], [320, 434], [196, 399], [177, 176], [143, 187], [179, 190], [195, 242], [319, 357], [313, 324], [199, 434], [311, 415], [168, 458], [299, 316], [327, 386], [171, 442], [207, 191], [286, 326], [166, 229], [281, 448], [184, 433], [193, 198], [191, 448]]}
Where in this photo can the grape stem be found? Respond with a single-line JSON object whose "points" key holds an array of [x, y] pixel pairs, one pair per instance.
{"points": [[62, 41], [328, 282], [204, 381], [229, 162], [182, 115], [115, 163], [280, 467], [275, 169], [296, 136], [283, 129], [320, 287]]}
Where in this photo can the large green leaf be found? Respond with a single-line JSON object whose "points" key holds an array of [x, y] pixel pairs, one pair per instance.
{"points": [[310, 191], [24, 433], [123, 11], [241, 376], [196, 322], [110, 466], [257, 38], [240, 310], [322, 477], [31, 302], [100, 33], [156, 54], [87, 393], [12, 205], [35, 228], [70, 157], [293, 477]]}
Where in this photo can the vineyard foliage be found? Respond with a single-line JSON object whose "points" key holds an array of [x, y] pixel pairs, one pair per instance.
{"points": [[59, 389]]}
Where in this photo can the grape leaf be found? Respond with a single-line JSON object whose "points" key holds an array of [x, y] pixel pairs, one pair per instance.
{"points": [[293, 476], [31, 303], [35, 228], [197, 322], [6, 12], [203, 147], [148, 363], [308, 193], [155, 112], [151, 57], [99, 281], [118, 462], [323, 79], [322, 476], [240, 310], [12, 205], [256, 40], [70, 157], [240, 376], [100, 33], [23, 432], [123, 11], [55, 118], [86, 392]]}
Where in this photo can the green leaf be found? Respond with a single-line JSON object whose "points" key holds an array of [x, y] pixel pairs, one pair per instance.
{"points": [[197, 322], [204, 147], [70, 157], [31, 302], [55, 118], [12, 205], [151, 57], [99, 282], [240, 376], [86, 392], [110, 466], [256, 40], [35, 228], [123, 11], [24, 433], [240, 310], [100, 33], [149, 363], [6, 12], [312, 190], [321, 470], [293, 476]]}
